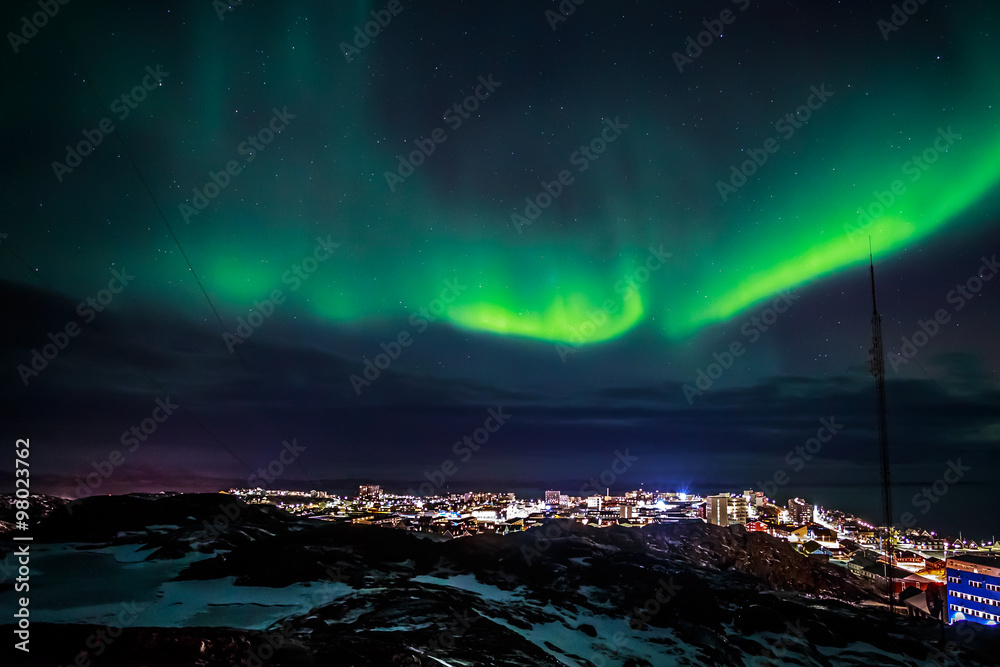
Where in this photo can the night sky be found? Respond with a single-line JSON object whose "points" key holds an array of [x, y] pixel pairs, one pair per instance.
{"points": [[566, 219]]}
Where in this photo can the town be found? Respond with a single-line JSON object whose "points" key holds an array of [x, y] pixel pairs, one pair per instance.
{"points": [[933, 576]]}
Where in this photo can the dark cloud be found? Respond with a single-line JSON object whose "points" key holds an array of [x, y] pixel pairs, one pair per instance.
{"points": [[161, 337]]}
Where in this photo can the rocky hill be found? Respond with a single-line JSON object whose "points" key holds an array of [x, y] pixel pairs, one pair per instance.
{"points": [[559, 594]]}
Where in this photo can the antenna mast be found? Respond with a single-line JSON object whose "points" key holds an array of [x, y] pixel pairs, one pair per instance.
{"points": [[877, 368]]}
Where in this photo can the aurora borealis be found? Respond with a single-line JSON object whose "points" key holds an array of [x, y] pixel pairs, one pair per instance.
{"points": [[262, 134]]}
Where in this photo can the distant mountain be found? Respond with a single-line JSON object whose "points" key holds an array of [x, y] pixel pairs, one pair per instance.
{"points": [[563, 593]]}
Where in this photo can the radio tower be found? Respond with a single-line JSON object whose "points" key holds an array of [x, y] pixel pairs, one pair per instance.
{"points": [[877, 368]]}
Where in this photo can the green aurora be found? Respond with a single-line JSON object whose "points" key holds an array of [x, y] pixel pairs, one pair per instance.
{"points": [[541, 285], [794, 222]]}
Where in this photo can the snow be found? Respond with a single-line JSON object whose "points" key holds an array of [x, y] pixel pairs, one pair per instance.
{"points": [[850, 654], [468, 582], [71, 585], [124, 553], [615, 642], [86, 585]]}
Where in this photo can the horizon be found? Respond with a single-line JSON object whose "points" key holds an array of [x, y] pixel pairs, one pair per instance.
{"points": [[955, 530]]}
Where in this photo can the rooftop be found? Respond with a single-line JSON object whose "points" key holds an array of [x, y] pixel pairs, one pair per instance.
{"points": [[988, 561]]}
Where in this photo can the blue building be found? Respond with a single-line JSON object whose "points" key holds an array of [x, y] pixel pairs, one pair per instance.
{"points": [[974, 589]]}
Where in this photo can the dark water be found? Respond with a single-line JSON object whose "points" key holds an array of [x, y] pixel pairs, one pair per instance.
{"points": [[965, 508]]}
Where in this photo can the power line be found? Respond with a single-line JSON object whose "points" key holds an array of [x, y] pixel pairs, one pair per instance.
{"points": [[176, 240], [34, 272]]}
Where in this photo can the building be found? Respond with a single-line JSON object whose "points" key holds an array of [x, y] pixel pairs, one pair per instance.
{"points": [[848, 529], [608, 516], [369, 491], [799, 511], [718, 509], [860, 562], [486, 515], [789, 532], [594, 502], [906, 557], [922, 603], [738, 510], [901, 579], [552, 498], [973, 589], [925, 541], [821, 534]]}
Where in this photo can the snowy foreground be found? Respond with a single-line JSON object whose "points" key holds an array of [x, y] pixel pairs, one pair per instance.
{"points": [[151, 586]]}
